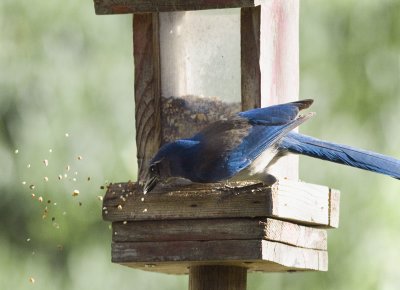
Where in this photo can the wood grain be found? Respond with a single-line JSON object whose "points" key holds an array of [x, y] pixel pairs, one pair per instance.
{"points": [[135, 6], [216, 277], [147, 88], [220, 229], [250, 57], [288, 200], [256, 255], [334, 207]]}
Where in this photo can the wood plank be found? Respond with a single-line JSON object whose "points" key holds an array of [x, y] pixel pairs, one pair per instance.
{"points": [[147, 88], [220, 229], [279, 65], [250, 57], [334, 207], [289, 200], [256, 255], [135, 6]]}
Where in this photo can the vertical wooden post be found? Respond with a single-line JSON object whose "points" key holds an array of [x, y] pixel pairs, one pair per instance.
{"points": [[217, 278], [146, 50], [270, 62]]}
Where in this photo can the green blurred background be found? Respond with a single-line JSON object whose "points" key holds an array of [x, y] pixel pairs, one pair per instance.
{"points": [[66, 90]]}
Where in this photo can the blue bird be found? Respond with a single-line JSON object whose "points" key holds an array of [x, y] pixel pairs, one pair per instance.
{"points": [[249, 143]]}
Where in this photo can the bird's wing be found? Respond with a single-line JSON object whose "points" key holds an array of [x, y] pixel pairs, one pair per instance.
{"points": [[276, 115], [229, 146]]}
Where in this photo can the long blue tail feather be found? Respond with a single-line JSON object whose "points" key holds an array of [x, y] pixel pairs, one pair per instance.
{"points": [[305, 145]]}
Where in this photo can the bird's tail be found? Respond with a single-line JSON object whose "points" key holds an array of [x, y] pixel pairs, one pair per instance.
{"points": [[305, 145]]}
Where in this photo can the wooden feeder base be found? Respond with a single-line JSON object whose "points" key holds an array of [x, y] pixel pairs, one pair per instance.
{"points": [[262, 228]]}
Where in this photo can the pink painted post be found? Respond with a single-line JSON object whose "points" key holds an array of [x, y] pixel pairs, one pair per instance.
{"points": [[279, 63]]}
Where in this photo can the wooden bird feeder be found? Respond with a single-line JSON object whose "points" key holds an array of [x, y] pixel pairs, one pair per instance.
{"points": [[194, 67]]}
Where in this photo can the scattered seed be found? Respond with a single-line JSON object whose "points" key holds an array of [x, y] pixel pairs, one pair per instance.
{"points": [[33, 195], [32, 280], [46, 162], [53, 219], [68, 167], [109, 227], [50, 150], [29, 166], [65, 175], [23, 182], [75, 192], [46, 178], [48, 201], [60, 177], [88, 179], [119, 207], [28, 240], [80, 203], [125, 222], [64, 213], [16, 151], [142, 199], [40, 199], [100, 197], [66, 135], [79, 157], [74, 179], [101, 187], [145, 210], [32, 186]]}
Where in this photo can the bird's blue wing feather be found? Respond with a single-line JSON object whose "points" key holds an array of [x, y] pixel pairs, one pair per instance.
{"points": [[276, 115]]}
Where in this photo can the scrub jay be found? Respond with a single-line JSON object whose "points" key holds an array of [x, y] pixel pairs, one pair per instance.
{"points": [[249, 143]]}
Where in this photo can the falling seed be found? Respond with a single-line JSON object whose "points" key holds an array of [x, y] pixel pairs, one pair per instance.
{"points": [[142, 199], [50, 150], [102, 187], [109, 227], [68, 167], [100, 197], [23, 182], [75, 192], [106, 212], [60, 177], [46, 178], [88, 179], [80, 203], [32, 280], [29, 166], [120, 207], [33, 195], [40, 199], [145, 210], [79, 157], [65, 175], [28, 240], [53, 219], [125, 222], [46, 162], [64, 213], [16, 151], [76, 172], [55, 204], [115, 233], [74, 179], [66, 135], [32, 186], [48, 201]]}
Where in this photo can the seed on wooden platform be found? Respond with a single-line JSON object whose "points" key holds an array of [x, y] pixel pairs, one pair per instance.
{"points": [[75, 192]]}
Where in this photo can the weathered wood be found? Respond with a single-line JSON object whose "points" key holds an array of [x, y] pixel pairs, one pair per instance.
{"points": [[135, 6], [217, 278], [146, 47], [279, 61], [220, 229], [250, 57], [296, 201], [175, 257], [334, 207]]}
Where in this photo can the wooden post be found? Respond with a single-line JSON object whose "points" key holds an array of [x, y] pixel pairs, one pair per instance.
{"points": [[146, 53], [217, 278], [270, 62]]}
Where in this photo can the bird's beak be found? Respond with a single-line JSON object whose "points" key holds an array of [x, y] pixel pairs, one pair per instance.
{"points": [[150, 183]]}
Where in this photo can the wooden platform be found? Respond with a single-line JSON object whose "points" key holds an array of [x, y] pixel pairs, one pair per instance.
{"points": [[263, 228]]}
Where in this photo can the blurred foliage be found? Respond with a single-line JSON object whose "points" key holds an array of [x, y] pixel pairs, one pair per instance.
{"points": [[66, 87]]}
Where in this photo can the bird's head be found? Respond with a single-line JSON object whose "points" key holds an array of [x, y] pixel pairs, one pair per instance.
{"points": [[169, 162]]}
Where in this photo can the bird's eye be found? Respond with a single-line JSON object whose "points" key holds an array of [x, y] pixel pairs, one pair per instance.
{"points": [[153, 168]]}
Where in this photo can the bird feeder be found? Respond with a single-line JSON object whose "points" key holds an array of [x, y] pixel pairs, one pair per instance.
{"points": [[193, 67]]}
